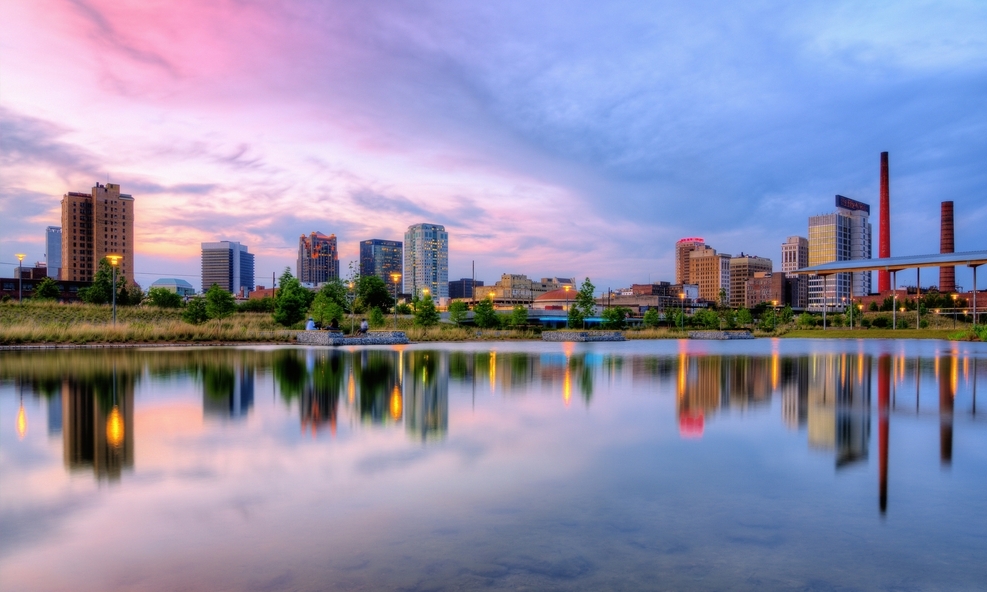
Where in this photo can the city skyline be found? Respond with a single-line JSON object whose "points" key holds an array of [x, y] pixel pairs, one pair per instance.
{"points": [[548, 138]]}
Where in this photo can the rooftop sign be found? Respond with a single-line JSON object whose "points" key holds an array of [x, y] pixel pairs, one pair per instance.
{"points": [[693, 239], [851, 204]]}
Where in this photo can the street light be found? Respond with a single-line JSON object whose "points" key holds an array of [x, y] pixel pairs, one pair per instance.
{"points": [[954, 310], [395, 278], [114, 260], [774, 314], [351, 298], [682, 300], [20, 279], [566, 289]]}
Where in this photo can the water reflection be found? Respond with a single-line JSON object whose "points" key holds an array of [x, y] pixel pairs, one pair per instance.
{"points": [[827, 396]]}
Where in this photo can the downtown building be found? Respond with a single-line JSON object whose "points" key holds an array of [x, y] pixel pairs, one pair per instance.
{"points": [[426, 260], [844, 235], [795, 256], [318, 259], [95, 225], [743, 268], [463, 288], [53, 251], [382, 258], [711, 272], [229, 265], [683, 266]]}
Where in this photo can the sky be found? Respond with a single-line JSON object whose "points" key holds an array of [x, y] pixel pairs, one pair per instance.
{"points": [[569, 139]]}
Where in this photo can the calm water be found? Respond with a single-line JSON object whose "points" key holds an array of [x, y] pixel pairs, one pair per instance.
{"points": [[658, 465]]}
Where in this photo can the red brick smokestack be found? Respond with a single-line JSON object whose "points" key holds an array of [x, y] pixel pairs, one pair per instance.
{"points": [[947, 275], [884, 248]]}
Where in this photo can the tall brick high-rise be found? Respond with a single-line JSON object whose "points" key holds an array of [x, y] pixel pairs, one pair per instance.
{"points": [[318, 258], [683, 247], [95, 225], [947, 275]]}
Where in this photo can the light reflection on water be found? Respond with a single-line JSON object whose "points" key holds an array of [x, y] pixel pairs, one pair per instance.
{"points": [[547, 466]]}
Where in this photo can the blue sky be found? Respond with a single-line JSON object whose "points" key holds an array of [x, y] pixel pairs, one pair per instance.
{"points": [[552, 139]]}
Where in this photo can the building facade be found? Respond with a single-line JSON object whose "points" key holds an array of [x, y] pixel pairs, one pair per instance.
{"points": [[382, 258], [682, 266], [53, 251], [426, 260], [463, 288], [711, 272], [795, 256], [844, 235], [774, 288], [318, 259], [95, 225], [229, 265], [742, 268], [176, 285]]}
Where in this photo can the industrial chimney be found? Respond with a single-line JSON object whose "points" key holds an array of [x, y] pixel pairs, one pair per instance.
{"points": [[947, 275], [884, 247]]}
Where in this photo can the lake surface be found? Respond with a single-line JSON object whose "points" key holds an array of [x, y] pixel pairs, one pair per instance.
{"points": [[767, 464]]}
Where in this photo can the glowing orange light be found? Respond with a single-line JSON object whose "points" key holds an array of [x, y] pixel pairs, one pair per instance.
{"points": [[567, 386], [351, 389], [21, 423], [397, 404], [114, 428]]}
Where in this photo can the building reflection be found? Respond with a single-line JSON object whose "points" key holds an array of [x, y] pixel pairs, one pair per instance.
{"points": [[98, 425], [378, 374], [319, 400], [426, 394], [227, 390]]}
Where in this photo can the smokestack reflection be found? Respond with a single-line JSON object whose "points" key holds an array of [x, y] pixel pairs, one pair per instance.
{"points": [[883, 410], [946, 393]]}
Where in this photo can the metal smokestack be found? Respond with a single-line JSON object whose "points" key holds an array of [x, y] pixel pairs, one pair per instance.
{"points": [[884, 248], [947, 275]]}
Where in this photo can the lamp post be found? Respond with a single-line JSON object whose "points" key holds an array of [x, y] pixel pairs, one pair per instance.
{"points": [[20, 279], [395, 278], [682, 302], [352, 297], [114, 260], [954, 310], [566, 289], [774, 315]]}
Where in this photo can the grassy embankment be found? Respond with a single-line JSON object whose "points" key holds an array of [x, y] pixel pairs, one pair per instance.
{"points": [[52, 323]]}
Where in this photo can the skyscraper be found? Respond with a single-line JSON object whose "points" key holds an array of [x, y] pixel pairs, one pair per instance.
{"points": [[53, 251], [318, 258], [381, 258], [426, 260], [844, 235], [794, 256], [227, 264], [96, 225], [682, 249]]}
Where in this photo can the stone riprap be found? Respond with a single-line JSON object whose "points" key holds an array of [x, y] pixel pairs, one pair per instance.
{"points": [[371, 338], [721, 335], [582, 336]]}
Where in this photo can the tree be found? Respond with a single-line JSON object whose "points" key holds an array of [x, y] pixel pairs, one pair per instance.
{"points": [[519, 316], [651, 318], [675, 317], [265, 304], [787, 315], [325, 308], [129, 295], [292, 300], [425, 313], [376, 318], [47, 290], [614, 317], [722, 299], [164, 298], [219, 303], [373, 293], [706, 319], [575, 317], [334, 291], [101, 290], [585, 301], [744, 317], [484, 315], [457, 311], [195, 311]]}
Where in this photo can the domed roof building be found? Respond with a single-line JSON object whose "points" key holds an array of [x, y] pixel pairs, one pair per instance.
{"points": [[176, 285]]}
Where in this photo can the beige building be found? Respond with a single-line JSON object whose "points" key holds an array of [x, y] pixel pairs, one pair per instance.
{"points": [[682, 266], [795, 256], [96, 225], [742, 268], [515, 288], [711, 272]]}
